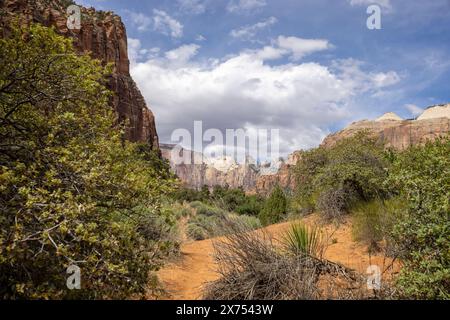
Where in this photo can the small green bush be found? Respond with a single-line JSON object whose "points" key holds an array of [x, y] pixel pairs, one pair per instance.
{"points": [[374, 222], [275, 207]]}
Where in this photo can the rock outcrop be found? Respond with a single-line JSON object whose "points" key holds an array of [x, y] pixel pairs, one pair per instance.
{"points": [[398, 133], [195, 170], [103, 36]]}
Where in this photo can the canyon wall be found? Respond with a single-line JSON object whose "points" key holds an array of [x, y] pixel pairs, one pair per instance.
{"points": [[210, 172], [397, 133], [104, 37]]}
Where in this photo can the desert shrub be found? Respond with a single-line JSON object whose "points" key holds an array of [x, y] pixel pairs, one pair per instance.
{"points": [[332, 180], [252, 206], [72, 191], [334, 203], [210, 221], [249, 222], [275, 207], [301, 239], [374, 221], [183, 194], [421, 174], [305, 170], [252, 267], [206, 209]]}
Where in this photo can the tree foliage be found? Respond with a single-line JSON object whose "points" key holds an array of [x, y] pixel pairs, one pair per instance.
{"points": [[332, 179], [422, 176], [275, 207], [71, 190]]}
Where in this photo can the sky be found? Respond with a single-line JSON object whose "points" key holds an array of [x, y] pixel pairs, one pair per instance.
{"points": [[305, 67]]}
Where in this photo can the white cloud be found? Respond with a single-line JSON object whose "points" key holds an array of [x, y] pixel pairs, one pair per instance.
{"points": [[386, 4], [183, 54], [301, 47], [245, 6], [413, 109], [200, 37], [167, 25], [192, 6], [381, 79], [248, 32], [137, 53], [242, 91], [140, 20]]}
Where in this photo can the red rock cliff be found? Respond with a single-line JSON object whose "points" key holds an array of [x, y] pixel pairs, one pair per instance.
{"points": [[103, 35]]}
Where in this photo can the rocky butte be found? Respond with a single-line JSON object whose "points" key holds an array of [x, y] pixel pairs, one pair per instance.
{"points": [[103, 36]]}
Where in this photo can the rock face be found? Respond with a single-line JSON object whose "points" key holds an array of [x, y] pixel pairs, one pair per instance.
{"points": [[201, 171], [103, 36], [397, 133]]}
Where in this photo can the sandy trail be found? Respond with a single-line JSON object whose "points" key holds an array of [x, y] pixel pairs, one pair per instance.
{"points": [[184, 278]]}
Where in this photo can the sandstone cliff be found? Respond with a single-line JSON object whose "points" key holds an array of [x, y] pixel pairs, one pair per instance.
{"points": [[202, 171], [398, 133], [103, 35]]}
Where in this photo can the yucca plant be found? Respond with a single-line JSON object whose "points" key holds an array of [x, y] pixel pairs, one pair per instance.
{"points": [[301, 239]]}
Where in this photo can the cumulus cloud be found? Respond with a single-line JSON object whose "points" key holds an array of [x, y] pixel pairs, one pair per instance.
{"points": [[301, 47], [167, 25], [245, 6], [302, 100], [249, 31]]}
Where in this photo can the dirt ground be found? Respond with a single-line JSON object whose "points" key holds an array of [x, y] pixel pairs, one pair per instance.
{"points": [[184, 278]]}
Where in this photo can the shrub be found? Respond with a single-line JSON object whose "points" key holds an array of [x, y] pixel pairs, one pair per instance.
{"points": [[251, 207], [275, 207], [249, 222], [72, 191], [374, 222], [333, 179], [210, 221], [252, 267], [421, 174], [300, 239]]}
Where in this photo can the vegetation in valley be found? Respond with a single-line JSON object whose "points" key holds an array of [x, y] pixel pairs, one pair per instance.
{"points": [[209, 211]]}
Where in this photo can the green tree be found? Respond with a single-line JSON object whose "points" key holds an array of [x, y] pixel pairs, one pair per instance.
{"points": [[333, 179], [422, 176], [275, 207], [71, 190]]}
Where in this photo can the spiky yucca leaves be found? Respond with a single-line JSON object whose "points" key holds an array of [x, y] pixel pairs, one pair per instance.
{"points": [[301, 239]]}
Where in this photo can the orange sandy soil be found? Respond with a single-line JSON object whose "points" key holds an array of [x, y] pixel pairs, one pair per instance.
{"points": [[184, 278]]}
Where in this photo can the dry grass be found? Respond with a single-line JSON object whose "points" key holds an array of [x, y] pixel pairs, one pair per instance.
{"points": [[253, 267]]}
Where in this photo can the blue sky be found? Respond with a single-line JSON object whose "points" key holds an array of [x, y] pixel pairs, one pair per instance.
{"points": [[306, 67]]}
